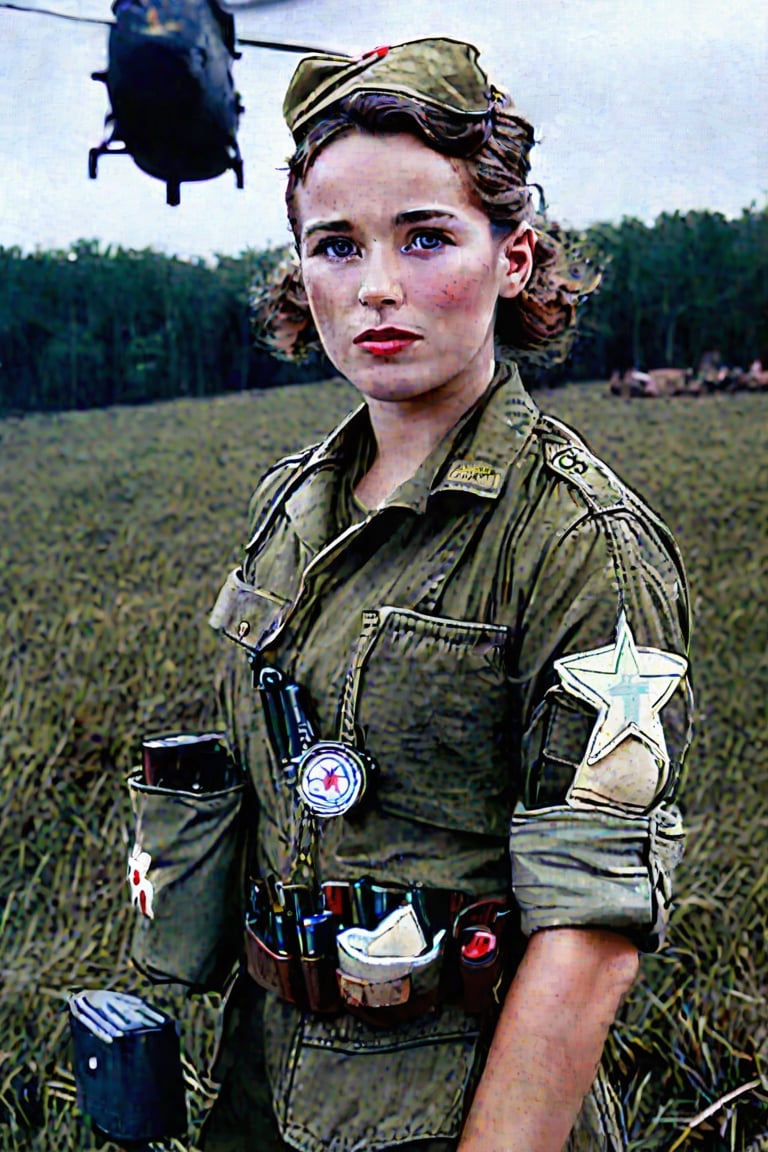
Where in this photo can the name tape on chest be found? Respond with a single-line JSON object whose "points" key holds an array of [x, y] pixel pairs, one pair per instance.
{"points": [[473, 476]]}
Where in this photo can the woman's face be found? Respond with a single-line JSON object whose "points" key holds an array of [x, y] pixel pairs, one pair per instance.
{"points": [[402, 270]]}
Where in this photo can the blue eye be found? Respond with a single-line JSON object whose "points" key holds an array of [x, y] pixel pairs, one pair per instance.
{"points": [[337, 247], [427, 241]]}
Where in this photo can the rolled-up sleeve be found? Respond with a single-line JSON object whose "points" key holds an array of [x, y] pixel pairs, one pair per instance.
{"points": [[595, 836], [582, 869]]}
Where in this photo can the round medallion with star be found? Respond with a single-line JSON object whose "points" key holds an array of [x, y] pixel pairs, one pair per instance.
{"points": [[331, 778]]}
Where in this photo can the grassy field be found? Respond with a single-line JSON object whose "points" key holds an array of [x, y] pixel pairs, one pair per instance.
{"points": [[118, 527]]}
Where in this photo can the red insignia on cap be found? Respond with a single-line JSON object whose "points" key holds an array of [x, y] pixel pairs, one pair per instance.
{"points": [[379, 53]]}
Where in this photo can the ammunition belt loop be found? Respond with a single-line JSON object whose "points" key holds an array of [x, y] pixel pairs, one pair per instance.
{"points": [[302, 969]]}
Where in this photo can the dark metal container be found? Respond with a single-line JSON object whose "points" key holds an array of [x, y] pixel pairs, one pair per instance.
{"points": [[127, 1066], [188, 761]]}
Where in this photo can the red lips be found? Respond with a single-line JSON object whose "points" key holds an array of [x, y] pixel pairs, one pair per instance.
{"points": [[380, 335], [386, 341]]}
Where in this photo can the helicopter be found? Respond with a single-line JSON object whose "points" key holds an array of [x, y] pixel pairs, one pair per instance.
{"points": [[174, 106], [174, 109]]}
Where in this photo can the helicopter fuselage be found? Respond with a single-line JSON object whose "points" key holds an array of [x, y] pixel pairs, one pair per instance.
{"points": [[170, 83]]}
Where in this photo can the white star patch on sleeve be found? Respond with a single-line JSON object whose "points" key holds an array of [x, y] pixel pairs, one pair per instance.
{"points": [[628, 686]]}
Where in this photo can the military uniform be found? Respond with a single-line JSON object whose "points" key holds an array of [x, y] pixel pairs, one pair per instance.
{"points": [[444, 631]]}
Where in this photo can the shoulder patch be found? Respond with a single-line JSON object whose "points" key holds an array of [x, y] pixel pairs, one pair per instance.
{"points": [[575, 463]]}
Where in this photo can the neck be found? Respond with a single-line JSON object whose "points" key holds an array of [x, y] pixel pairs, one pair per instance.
{"points": [[406, 432]]}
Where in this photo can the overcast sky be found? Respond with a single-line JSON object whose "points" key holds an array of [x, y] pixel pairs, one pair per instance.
{"points": [[640, 106]]}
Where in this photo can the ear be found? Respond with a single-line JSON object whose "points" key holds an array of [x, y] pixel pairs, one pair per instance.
{"points": [[516, 260]]}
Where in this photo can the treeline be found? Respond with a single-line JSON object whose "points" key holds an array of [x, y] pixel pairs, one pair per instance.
{"points": [[689, 283], [91, 327]]}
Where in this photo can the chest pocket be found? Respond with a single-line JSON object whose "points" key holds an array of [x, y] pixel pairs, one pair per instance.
{"points": [[432, 698]]}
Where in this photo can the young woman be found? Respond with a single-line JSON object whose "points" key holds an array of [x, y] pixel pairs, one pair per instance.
{"points": [[475, 636]]}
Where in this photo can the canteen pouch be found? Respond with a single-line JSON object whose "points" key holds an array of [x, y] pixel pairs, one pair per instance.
{"points": [[185, 877]]}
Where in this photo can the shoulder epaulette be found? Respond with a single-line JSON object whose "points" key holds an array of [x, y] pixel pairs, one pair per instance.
{"points": [[567, 455]]}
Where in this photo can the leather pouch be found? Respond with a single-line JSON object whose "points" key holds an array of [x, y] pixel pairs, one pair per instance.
{"points": [[481, 983], [277, 973], [320, 983], [478, 983]]}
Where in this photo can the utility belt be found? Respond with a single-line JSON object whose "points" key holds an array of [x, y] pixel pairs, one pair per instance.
{"points": [[384, 953]]}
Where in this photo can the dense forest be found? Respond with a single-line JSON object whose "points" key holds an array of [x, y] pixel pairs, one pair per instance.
{"points": [[94, 326], [690, 282]]}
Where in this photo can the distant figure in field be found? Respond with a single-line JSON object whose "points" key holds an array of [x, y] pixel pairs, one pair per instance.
{"points": [[756, 379], [657, 382]]}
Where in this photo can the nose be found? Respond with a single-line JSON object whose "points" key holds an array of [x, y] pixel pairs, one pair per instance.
{"points": [[380, 286]]}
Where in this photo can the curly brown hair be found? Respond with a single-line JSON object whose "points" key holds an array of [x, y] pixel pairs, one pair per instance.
{"points": [[538, 324]]}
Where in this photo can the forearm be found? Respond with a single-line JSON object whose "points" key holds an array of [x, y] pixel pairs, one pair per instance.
{"points": [[548, 1040]]}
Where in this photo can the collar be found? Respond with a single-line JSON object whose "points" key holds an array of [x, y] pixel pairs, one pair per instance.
{"points": [[488, 439], [474, 458]]}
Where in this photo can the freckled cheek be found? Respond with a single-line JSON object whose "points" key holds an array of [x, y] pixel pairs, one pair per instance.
{"points": [[457, 296], [453, 293]]}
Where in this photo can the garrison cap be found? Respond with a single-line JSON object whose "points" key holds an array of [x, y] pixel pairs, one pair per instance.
{"points": [[441, 72]]}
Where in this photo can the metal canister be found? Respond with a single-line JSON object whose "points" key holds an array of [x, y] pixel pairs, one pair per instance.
{"points": [[127, 1067], [480, 964], [188, 761]]}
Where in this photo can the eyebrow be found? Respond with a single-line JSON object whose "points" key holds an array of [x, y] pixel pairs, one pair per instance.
{"points": [[327, 226], [410, 216], [420, 215]]}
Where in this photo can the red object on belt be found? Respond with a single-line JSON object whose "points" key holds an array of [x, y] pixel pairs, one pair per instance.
{"points": [[481, 947]]}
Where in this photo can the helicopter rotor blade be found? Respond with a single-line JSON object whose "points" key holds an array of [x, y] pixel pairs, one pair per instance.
{"points": [[282, 46], [235, 6], [36, 11], [273, 45]]}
